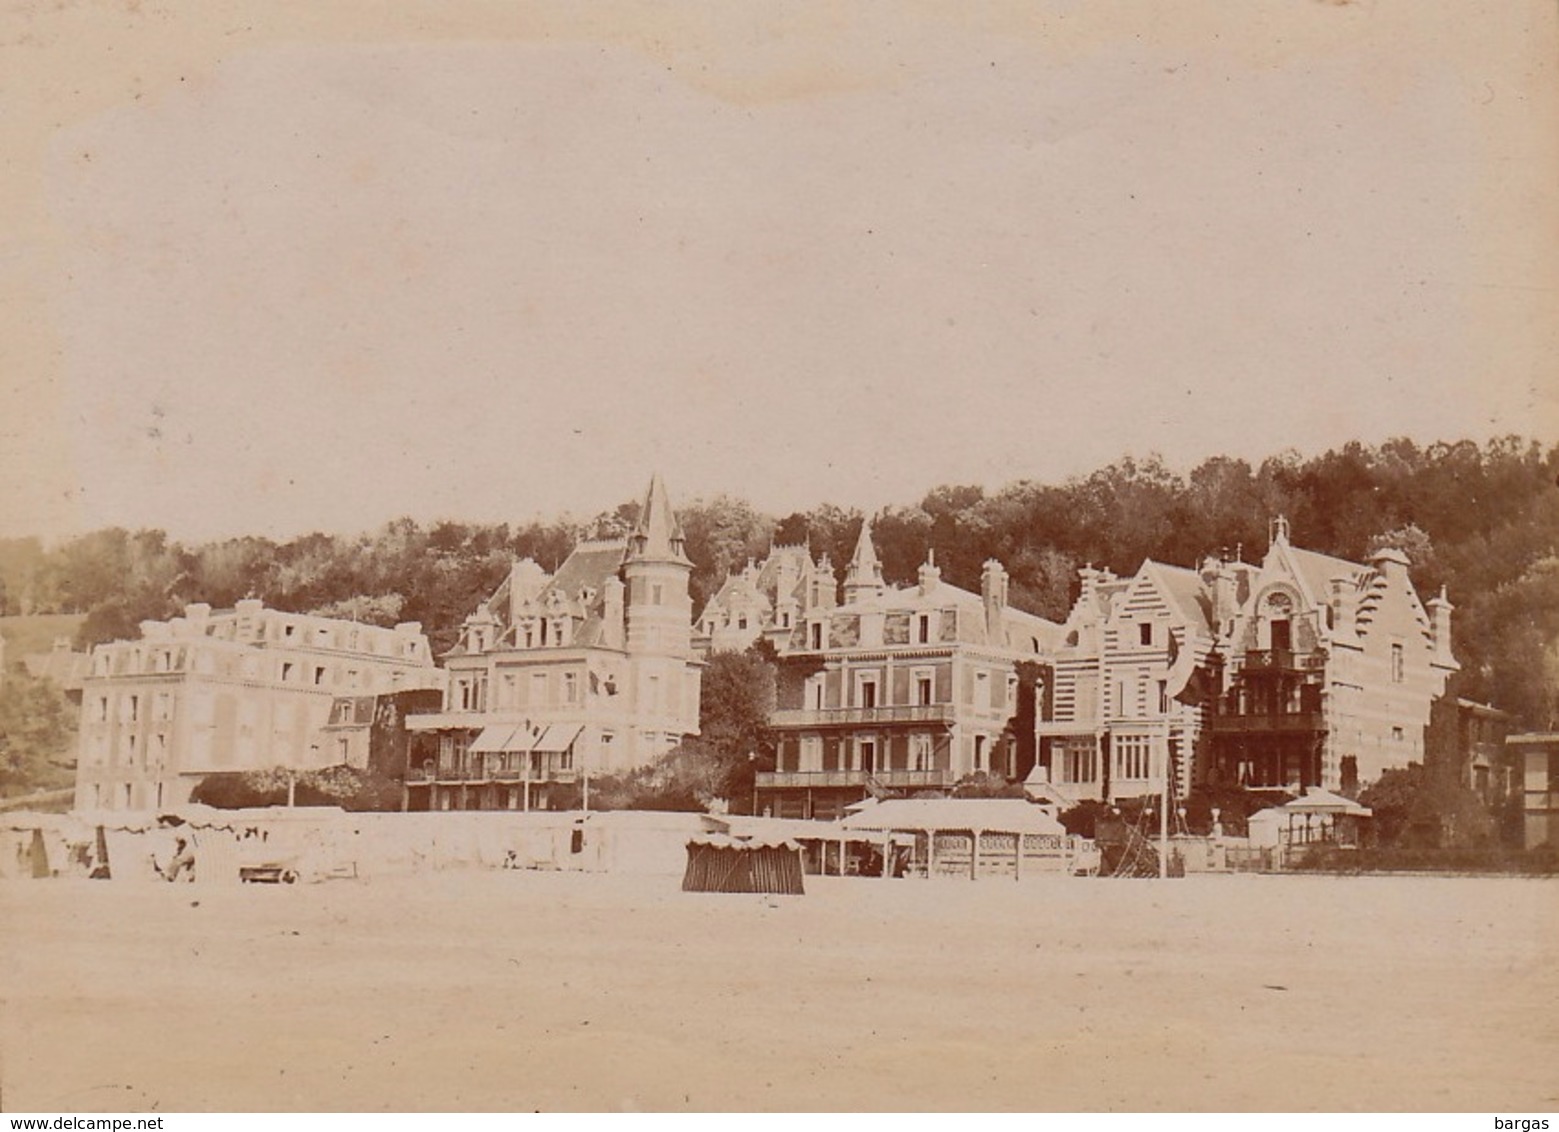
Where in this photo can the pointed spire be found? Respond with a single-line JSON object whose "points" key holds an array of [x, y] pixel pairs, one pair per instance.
{"points": [[864, 574], [864, 565], [657, 534]]}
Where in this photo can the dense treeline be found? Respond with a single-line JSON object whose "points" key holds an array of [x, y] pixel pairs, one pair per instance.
{"points": [[1481, 520]]}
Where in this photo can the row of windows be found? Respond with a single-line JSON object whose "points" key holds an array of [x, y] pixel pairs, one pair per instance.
{"points": [[871, 690], [549, 689], [1133, 757], [145, 658], [257, 666], [869, 753], [153, 752], [925, 628], [455, 751], [742, 621], [1079, 761], [862, 752], [131, 707]]}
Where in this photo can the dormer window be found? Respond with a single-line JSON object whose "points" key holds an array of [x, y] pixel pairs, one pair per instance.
{"points": [[1145, 633]]}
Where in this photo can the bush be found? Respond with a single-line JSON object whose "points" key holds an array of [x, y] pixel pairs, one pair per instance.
{"points": [[1234, 804], [689, 778], [984, 785], [351, 789], [1542, 861], [1082, 820]]}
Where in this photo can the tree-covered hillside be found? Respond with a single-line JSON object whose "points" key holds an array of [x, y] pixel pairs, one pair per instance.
{"points": [[1481, 520]]}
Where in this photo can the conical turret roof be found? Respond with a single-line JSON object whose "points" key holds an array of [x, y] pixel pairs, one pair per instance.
{"points": [[658, 533], [864, 564]]}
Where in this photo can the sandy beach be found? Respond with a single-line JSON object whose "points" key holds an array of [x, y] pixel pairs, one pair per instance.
{"points": [[468, 990]]}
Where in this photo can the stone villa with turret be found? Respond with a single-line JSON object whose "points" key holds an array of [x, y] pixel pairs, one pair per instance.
{"points": [[555, 677]]}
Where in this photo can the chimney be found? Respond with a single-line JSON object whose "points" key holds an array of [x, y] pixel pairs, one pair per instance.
{"points": [[930, 577], [1391, 564], [526, 580], [827, 584], [993, 593], [613, 624], [1341, 604], [1440, 627], [1226, 599], [1088, 577]]}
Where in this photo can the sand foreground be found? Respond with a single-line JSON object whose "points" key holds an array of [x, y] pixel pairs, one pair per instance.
{"points": [[468, 990]]}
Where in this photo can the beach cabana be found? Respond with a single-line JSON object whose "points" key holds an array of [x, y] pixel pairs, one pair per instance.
{"points": [[964, 837], [1324, 818], [717, 862]]}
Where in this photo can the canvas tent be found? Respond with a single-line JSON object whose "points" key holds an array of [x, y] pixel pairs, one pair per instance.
{"points": [[718, 862]]}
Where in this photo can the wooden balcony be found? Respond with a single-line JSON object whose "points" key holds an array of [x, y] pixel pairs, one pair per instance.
{"points": [[821, 718], [1269, 723], [1282, 660], [454, 775], [820, 779]]}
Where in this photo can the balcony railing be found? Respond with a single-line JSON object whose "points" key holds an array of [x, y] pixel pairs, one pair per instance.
{"points": [[857, 716], [817, 779], [1282, 660], [1268, 723], [421, 776]]}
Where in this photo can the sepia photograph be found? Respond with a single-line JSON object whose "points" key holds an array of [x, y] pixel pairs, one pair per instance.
{"points": [[781, 557]]}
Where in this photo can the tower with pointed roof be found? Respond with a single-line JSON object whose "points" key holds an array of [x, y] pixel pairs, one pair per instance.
{"points": [[656, 571], [556, 677], [863, 577]]}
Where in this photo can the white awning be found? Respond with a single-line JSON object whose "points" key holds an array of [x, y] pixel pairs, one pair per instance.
{"points": [[502, 737], [493, 738], [557, 738]]}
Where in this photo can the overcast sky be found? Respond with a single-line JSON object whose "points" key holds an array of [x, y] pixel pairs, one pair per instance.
{"points": [[314, 273]]}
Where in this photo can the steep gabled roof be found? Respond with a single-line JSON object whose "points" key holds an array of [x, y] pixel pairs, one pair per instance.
{"points": [[1185, 590], [769, 571], [588, 567], [1315, 571]]}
